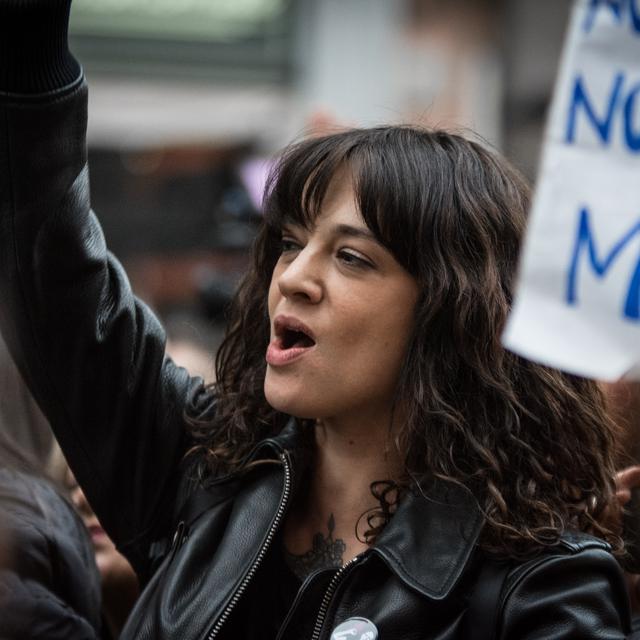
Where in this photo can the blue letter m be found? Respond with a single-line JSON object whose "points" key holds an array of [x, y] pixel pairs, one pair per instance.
{"points": [[586, 240]]}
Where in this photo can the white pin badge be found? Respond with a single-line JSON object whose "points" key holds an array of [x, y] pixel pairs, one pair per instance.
{"points": [[355, 629]]}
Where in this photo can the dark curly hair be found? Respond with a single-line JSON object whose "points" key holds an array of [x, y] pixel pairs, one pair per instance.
{"points": [[534, 445]]}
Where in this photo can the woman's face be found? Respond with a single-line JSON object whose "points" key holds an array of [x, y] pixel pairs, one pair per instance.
{"points": [[341, 310]]}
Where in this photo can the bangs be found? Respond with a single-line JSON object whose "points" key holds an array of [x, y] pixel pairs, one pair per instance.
{"points": [[298, 183], [390, 171]]}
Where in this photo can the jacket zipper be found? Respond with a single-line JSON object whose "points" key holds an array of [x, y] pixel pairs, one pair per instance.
{"points": [[263, 550], [329, 593]]}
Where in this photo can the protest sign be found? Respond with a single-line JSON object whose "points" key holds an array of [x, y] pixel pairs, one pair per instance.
{"points": [[577, 303]]}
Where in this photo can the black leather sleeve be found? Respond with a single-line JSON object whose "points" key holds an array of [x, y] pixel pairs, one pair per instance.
{"points": [[577, 596], [34, 54], [92, 353]]}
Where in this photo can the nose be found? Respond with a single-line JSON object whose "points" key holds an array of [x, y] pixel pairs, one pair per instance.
{"points": [[80, 501], [77, 496], [302, 279]]}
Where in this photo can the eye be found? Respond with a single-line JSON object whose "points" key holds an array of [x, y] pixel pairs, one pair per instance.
{"points": [[352, 258], [289, 244]]}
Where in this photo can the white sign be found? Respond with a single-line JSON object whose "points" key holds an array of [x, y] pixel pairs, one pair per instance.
{"points": [[577, 304]]}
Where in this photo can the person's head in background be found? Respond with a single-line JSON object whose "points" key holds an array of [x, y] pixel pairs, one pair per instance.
{"points": [[534, 445], [118, 580], [114, 568]]}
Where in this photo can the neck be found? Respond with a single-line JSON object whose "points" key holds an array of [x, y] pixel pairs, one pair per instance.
{"points": [[349, 457], [117, 601]]}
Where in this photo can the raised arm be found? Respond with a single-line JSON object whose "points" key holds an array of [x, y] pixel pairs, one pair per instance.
{"points": [[92, 354]]}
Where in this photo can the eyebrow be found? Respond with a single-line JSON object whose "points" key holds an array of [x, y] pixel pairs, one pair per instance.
{"points": [[355, 232], [344, 230]]}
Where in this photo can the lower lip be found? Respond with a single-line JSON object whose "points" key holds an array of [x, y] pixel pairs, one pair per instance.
{"points": [[97, 533], [278, 357]]}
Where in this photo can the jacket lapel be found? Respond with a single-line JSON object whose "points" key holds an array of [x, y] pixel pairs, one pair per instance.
{"points": [[431, 538]]}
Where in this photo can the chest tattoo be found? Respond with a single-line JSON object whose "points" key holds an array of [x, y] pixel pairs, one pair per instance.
{"points": [[326, 552]]}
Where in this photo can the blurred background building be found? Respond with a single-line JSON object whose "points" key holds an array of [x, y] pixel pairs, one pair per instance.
{"points": [[189, 98]]}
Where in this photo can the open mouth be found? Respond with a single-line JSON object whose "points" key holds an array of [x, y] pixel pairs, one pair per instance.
{"points": [[292, 338]]}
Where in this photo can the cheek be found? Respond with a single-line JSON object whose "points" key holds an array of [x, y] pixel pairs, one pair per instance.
{"points": [[394, 326], [385, 323], [387, 346], [106, 557], [374, 345], [273, 294]]}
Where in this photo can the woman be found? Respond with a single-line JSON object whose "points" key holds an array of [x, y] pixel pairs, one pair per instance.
{"points": [[370, 455]]}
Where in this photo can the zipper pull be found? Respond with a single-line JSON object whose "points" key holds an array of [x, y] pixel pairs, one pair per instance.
{"points": [[178, 539]]}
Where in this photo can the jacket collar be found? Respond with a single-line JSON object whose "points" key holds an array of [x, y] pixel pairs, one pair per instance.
{"points": [[431, 537]]}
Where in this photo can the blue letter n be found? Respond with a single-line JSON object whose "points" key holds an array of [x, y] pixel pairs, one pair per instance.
{"points": [[579, 98], [586, 240]]}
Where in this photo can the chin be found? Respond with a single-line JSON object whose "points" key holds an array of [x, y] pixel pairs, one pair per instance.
{"points": [[287, 400], [291, 407]]}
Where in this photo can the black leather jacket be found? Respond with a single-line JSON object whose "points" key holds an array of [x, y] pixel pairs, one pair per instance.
{"points": [[94, 357]]}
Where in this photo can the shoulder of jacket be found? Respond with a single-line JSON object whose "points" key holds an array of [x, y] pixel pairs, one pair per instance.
{"points": [[568, 548], [570, 544], [576, 541], [544, 592]]}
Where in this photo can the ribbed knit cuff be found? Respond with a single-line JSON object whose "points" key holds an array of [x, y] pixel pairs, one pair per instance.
{"points": [[34, 54]]}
